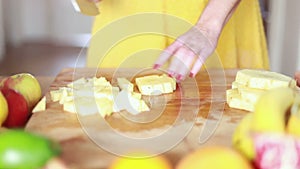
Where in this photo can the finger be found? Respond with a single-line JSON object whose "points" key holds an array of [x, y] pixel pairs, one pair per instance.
{"points": [[166, 54], [297, 77], [196, 67], [201, 57], [181, 64]]}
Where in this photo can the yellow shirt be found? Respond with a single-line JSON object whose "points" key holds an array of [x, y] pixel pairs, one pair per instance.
{"points": [[132, 33]]}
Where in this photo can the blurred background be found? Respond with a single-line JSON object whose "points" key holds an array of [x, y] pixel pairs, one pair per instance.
{"points": [[41, 36], [44, 36]]}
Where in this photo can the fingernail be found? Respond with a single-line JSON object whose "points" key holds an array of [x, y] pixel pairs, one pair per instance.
{"points": [[171, 73], [179, 77], [156, 66], [192, 74]]}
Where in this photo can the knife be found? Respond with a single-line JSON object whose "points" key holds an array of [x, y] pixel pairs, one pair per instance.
{"points": [[86, 7]]}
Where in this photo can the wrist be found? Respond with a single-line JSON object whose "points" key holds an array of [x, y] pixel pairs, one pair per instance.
{"points": [[210, 25], [215, 15], [210, 29]]}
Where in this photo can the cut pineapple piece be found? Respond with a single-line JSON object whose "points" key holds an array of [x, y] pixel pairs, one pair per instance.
{"points": [[69, 106], [154, 84], [105, 106], [249, 85], [262, 79], [250, 94], [129, 101], [234, 100], [55, 95], [87, 96], [124, 84], [80, 82], [41, 105]]}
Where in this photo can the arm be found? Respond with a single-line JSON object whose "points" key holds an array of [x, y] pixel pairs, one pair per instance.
{"points": [[217, 13], [191, 49]]}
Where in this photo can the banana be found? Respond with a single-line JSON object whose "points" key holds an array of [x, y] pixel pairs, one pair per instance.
{"points": [[269, 116], [270, 110], [242, 140], [293, 125]]}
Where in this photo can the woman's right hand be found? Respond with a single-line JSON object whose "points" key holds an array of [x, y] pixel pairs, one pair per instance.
{"points": [[189, 52], [297, 77]]}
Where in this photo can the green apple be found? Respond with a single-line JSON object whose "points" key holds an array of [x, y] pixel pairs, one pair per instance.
{"points": [[25, 84], [18, 112], [3, 108], [20, 149]]}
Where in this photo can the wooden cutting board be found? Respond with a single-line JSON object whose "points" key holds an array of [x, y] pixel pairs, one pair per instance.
{"points": [[199, 101]]}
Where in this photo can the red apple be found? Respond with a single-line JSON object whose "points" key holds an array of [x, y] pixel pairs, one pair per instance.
{"points": [[18, 113], [3, 109], [25, 84]]}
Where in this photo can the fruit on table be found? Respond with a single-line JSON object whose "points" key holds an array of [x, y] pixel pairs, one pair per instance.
{"points": [[250, 84], [155, 84], [270, 110], [140, 161], [87, 96], [124, 84], [235, 100], [18, 112], [276, 114], [21, 150], [214, 157], [293, 125], [293, 121], [3, 109], [276, 151], [40, 106], [131, 102], [262, 79], [27, 85], [242, 140]]}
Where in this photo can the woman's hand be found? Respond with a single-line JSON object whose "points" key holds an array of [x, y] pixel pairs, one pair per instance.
{"points": [[191, 49], [297, 77], [189, 52]]}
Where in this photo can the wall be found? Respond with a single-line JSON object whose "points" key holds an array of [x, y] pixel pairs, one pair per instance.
{"points": [[284, 36], [291, 41], [44, 20]]}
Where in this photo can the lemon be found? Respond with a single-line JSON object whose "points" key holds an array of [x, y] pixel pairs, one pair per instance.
{"points": [[157, 162], [214, 157]]}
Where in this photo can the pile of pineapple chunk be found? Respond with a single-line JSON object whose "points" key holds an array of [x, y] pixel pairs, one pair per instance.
{"points": [[250, 84], [87, 96]]}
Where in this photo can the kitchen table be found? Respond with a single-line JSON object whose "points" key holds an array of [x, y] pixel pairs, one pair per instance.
{"points": [[202, 99]]}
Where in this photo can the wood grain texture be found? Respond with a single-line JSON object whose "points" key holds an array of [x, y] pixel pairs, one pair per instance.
{"points": [[199, 101]]}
